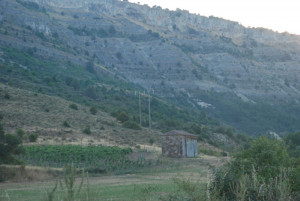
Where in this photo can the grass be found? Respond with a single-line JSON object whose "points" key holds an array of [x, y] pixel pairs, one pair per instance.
{"points": [[97, 192], [27, 110], [150, 184]]}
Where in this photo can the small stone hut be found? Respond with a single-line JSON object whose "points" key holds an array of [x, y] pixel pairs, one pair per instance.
{"points": [[177, 143]]}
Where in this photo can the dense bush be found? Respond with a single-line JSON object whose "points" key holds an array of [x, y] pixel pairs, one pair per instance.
{"points": [[131, 125], [87, 130], [256, 173], [20, 132], [122, 117], [93, 110], [73, 106], [9, 146], [293, 140], [33, 137], [6, 96], [66, 124]]}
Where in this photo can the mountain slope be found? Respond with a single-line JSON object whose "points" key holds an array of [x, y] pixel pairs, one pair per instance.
{"points": [[247, 78], [45, 115]]}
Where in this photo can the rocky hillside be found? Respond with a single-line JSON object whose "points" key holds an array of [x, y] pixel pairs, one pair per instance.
{"points": [[246, 78]]}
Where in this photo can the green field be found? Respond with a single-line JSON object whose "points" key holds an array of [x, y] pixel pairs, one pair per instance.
{"points": [[153, 184]]}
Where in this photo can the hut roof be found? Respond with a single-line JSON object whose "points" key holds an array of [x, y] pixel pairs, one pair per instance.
{"points": [[178, 132]]}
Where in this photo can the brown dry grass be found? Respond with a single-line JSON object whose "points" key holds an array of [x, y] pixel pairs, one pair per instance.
{"points": [[19, 173], [27, 110]]}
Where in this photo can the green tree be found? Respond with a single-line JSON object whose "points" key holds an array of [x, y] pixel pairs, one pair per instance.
{"points": [[66, 124], [122, 117], [87, 130], [268, 156], [90, 67], [263, 164], [9, 145], [20, 132], [73, 106], [93, 110], [33, 137]]}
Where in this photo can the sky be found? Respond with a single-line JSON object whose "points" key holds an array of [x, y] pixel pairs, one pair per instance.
{"points": [[278, 15]]}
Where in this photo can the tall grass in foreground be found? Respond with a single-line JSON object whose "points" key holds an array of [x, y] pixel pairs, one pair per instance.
{"points": [[248, 188]]}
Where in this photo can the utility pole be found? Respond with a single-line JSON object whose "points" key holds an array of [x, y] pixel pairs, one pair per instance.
{"points": [[149, 113], [140, 111]]}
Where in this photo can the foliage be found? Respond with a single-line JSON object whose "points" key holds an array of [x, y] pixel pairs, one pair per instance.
{"points": [[240, 114], [131, 125], [66, 124], [69, 182], [93, 110], [74, 83], [293, 140], [29, 5], [122, 117], [87, 130], [6, 96], [95, 159], [119, 55], [90, 67], [20, 132], [33, 137], [250, 187], [257, 173], [73, 106], [58, 156], [151, 141], [9, 145], [268, 156]]}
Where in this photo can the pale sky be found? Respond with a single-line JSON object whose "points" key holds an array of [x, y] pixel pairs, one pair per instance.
{"points": [[278, 15]]}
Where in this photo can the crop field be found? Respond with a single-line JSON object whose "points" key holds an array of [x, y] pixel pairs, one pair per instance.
{"points": [[95, 159], [58, 156]]}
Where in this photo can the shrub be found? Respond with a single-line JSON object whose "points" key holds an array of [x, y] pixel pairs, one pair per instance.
{"points": [[93, 110], [1, 116], [6, 96], [268, 156], [131, 125], [256, 173], [91, 92], [90, 67], [66, 124], [33, 137], [87, 130], [9, 145], [151, 141], [73, 106], [119, 55], [20, 132], [122, 117]]}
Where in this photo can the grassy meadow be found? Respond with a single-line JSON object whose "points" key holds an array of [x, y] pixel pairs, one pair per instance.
{"points": [[149, 184]]}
